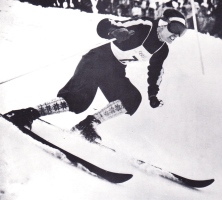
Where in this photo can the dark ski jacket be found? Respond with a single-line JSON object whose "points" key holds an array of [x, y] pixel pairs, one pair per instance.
{"points": [[146, 35]]}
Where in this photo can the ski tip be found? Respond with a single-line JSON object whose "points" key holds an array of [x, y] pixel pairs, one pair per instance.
{"points": [[204, 183], [125, 178], [211, 181], [193, 183], [119, 178]]}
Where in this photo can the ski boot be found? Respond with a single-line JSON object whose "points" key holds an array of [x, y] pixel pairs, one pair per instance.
{"points": [[87, 128], [23, 117]]}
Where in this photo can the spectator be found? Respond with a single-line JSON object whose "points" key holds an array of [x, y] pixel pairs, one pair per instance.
{"points": [[86, 6], [144, 6], [205, 22], [150, 13], [119, 11], [114, 7], [217, 29], [159, 11], [137, 10], [102, 6], [125, 7], [76, 4]]}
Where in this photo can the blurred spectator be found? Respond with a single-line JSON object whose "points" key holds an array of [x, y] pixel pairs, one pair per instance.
{"points": [[125, 7], [144, 6], [136, 10], [150, 12], [119, 11], [159, 10], [102, 6], [43, 3], [208, 12], [205, 21], [217, 30], [210, 6], [113, 9], [76, 4], [86, 6], [187, 11], [169, 4]]}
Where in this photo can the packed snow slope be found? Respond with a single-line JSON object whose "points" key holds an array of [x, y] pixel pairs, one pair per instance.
{"points": [[183, 136]]}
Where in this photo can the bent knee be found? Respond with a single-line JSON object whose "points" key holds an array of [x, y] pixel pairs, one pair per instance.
{"points": [[76, 105]]}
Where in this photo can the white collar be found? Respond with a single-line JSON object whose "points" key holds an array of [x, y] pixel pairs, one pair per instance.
{"points": [[162, 23]]}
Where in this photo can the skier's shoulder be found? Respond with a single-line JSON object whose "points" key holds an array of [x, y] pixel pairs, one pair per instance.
{"points": [[160, 55], [130, 21], [165, 47], [164, 50], [142, 20]]}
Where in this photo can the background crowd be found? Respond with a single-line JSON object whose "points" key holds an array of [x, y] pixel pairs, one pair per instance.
{"points": [[208, 12]]}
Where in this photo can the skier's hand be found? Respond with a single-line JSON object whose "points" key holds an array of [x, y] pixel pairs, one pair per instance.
{"points": [[155, 102], [122, 34]]}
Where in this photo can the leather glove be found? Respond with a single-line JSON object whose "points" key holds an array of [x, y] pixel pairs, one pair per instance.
{"points": [[155, 102], [122, 34]]}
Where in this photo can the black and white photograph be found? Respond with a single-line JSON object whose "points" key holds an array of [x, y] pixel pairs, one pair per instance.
{"points": [[110, 99]]}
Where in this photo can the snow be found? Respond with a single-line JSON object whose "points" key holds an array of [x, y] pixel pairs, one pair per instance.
{"points": [[183, 136]]}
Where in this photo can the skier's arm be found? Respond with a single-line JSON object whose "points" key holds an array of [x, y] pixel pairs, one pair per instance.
{"points": [[155, 72], [121, 30], [106, 26]]}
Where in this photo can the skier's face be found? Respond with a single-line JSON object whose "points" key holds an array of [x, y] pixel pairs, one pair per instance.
{"points": [[167, 36]]}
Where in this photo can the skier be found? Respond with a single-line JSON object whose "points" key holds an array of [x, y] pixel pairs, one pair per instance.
{"points": [[141, 39]]}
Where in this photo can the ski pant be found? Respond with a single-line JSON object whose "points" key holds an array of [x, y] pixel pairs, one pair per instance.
{"points": [[100, 69]]}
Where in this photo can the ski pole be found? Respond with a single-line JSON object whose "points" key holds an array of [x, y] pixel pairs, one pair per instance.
{"points": [[61, 59], [196, 29]]}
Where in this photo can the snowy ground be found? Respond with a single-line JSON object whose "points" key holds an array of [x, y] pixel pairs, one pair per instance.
{"points": [[183, 136]]}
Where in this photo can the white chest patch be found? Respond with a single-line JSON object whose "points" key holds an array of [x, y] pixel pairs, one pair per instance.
{"points": [[133, 55]]}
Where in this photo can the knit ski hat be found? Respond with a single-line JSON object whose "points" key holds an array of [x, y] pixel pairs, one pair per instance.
{"points": [[176, 21]]}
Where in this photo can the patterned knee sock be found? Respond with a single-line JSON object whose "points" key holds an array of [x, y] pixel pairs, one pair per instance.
{"points": [[57, 105], [112, 110]]}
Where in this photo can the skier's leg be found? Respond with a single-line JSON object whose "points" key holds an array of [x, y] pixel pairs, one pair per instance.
{"points": [[25, 117], [127, 103], [119, 91], [75, 96], [81, 89], [54, 106], [113, 109], [88, 125], [123, 90]]}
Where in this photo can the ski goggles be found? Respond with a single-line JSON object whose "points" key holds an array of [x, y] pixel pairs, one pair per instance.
{"points": [[176, 28]]}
